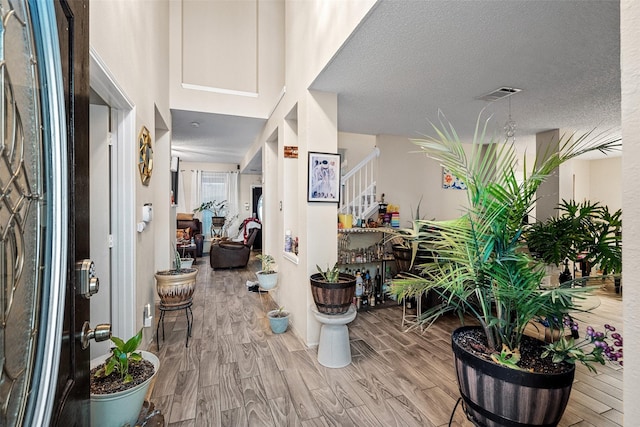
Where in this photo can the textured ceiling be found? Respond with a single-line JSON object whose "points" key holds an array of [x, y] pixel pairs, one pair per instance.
{"points": [[217, 138], [410, 59]]}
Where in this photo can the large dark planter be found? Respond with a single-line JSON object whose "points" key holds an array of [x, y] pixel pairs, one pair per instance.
{"points": [[495, 395], [333, 298], [402, 257]]}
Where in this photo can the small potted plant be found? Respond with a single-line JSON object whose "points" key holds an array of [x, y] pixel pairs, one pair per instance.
{"points": [[278, 320], [120, 382], [182, 262], [332, 291], [268, 276]]}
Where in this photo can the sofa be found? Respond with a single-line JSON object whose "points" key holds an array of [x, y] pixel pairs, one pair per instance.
{"points": [[187, 228], [229, 254]]}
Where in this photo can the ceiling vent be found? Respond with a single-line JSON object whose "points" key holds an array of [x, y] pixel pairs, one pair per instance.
{"points": [[500, 93]]}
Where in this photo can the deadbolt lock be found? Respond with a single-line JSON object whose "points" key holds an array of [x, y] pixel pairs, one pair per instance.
{"points": [[87, 282]]}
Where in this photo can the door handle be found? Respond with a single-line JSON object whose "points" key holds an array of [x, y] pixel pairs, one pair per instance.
{"points": [[102, 332], [87, 282]]}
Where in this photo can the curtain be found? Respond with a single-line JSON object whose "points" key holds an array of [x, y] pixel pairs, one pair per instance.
{"points": [[195, 200], [181, 202], [233, 218]]}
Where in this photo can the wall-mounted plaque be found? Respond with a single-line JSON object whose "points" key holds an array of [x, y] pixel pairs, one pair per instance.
{"points": [[290, 152]]}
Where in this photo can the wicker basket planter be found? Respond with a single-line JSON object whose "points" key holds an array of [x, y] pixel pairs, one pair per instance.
{"points": [[495, 395], [333, 298]]}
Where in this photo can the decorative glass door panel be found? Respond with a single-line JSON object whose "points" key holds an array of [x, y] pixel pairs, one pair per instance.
{"points": [[31, 218]]}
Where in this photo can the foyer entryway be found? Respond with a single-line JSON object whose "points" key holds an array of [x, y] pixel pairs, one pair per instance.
{"points": [[236, 372]]}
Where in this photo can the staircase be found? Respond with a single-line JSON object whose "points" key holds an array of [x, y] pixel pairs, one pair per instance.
{"points": [[358, 196]]}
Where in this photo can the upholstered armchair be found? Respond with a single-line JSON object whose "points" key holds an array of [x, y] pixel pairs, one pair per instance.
{"points": [[226, 254], [190, 227]]}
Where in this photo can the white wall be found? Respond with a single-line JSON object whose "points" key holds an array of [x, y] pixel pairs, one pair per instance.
{"points": [[258, 61], [548, 194], [630, 76], [606, 182], [137, 57], [405, 176], [574, 181], [314, 31], [356, 147]]}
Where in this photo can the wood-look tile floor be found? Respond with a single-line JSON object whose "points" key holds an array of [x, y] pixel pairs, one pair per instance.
{"points": [[235, 372]]}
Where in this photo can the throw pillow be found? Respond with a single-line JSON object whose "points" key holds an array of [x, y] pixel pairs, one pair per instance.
{"points": [[180, 233], [182, 216]]}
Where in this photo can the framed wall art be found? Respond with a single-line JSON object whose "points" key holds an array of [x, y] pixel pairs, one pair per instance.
{"points": [[452, 182], [324, 177]]}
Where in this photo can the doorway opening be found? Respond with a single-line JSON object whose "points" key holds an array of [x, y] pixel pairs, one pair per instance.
{"points": [[122, 258]]}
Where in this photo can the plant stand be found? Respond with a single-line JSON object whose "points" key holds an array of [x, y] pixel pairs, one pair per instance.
{"points": [[217, 225], [188, 313], [412, 320], [334, 350]]}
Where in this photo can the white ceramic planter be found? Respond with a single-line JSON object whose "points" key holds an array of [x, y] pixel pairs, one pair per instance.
{"points": [[118, 409], [186, 262], [267, 281]]}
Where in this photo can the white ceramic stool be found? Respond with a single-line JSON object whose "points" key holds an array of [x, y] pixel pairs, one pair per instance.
{"points": [[334, 350]]}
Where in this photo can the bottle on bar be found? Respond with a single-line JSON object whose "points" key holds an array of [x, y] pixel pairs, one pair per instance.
{"points": [[377, 285]]}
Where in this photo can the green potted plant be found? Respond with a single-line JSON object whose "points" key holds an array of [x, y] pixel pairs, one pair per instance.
{"points": [[278, 320], [217, 214], [585, 232], [332, 290], [267, 276], [176, 286], [482, 269], [182, 262], [119, 383]]}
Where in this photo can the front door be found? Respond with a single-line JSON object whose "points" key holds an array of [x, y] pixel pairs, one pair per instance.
{"points": [[72, 391], [43, 211]]}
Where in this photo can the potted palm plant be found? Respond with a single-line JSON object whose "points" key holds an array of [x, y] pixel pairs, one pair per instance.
{"points": [[268, 276], [119, 383], [481, 268]]}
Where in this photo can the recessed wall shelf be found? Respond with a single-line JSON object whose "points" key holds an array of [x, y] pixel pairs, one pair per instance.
{"points": [[291, 257]]}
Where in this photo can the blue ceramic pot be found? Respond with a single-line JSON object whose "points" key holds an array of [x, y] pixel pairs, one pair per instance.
{"points": [[278, 324]]}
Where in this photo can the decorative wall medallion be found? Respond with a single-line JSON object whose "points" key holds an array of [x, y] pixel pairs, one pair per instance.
{"points": [[145, 163]]}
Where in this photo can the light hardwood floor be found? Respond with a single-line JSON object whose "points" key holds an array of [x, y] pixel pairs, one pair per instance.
{"points": [[235, 372]]}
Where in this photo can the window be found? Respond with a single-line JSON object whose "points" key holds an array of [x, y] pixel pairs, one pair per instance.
{"points": [[218, 186]]}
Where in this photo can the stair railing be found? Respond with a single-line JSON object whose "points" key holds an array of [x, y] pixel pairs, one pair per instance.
{"points": [[358, 195]]}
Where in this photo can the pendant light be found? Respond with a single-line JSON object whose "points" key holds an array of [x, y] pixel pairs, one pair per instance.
{"points": [[510, 127]]}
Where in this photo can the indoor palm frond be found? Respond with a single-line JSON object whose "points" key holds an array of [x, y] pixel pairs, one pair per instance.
{"points": [[479, 264]]}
